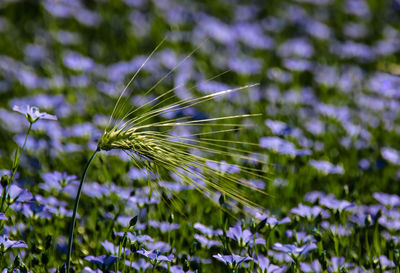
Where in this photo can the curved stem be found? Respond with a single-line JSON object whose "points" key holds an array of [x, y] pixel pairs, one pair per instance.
{"points": [[78, 195], [14, 168], [26, 138]]}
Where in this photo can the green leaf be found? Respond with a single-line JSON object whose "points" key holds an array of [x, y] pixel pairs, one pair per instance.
{"points": [[17, 155], [133, 221]]}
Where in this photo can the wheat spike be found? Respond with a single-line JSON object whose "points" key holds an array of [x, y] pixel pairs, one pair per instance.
{"points": [[151, 146]]}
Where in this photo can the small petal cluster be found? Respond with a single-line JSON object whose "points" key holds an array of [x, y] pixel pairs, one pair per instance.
{"points": [[233, 261], [155, 255], [6, 243], [243, 237], [294, 250], [32, 113]]}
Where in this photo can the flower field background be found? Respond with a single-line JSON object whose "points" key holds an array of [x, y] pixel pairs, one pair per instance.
{"points": [[320, 130]]}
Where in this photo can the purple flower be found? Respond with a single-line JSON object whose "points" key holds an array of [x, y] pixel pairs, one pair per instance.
{"points": [[280, 256], [216, 29], [332, 203], [336, 264], [298, 47], [60, 182], [267, 267], [136, 238], [50, 201], [177, 269], [318, 29], [254, 183], [391, 238], [210, 87], [390, 223], [32, 210], [301, 237], [245, 66], [279, 75], [387, 47], [350, 49], [272, 221], [103, 261], [385, 85], [278, 127], [96, 190], [19, 195], [315, 127], [364, 164], [314, 196], [140, 265], [206, 230], [243, 237], [314, 267], [86, 17], [364, 213], [158, 246], [279, 145], [385, 262], [357, 7], [206, 242], [294, 250], [155, 255], [233, 261], [297, 64], [3, 216], [355, 30], [76, 61], [8, 173], [337, 229], [35, 53], [67, 37], [223, 167], [137, 174], [110, 247], [163, 226], [7, 243], [326, 167], [282, 146], [252, 34], [388, 200], [141, 200], [87, 269], [32, 113], [309, 212], [175, 187]]}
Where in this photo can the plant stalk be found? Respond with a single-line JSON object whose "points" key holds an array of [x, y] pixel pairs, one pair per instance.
{"points": [[78, 195], [15, 168], [26, 138]]}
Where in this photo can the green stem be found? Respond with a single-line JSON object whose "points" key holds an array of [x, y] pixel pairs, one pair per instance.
{"points": [[17, 154], [3, 199], [26, 138], [78, 195]]}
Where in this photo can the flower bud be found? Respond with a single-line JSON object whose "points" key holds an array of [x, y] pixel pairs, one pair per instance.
{"points": [[4, 180], [17, 262], [44, 259], [397, 257], [317, 234], [133, 221], [368, 220], [133, 247], [47, 244]]}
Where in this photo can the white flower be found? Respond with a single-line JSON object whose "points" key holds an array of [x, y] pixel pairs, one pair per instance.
{"points": [[32, 113]]}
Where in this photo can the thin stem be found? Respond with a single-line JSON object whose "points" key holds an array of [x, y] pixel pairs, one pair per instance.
{"points": [[26, 138], [14, 170], [78, 195]]}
